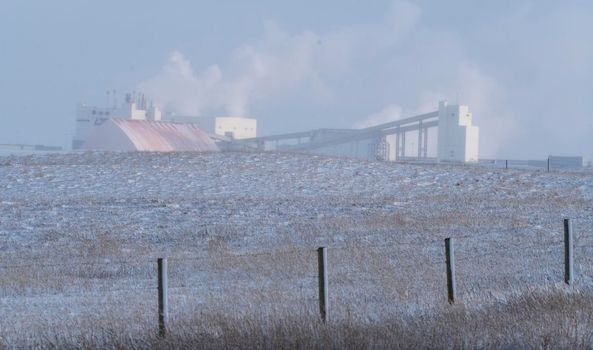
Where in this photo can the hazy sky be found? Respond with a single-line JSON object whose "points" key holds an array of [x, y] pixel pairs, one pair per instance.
{"points": [[525, 68]]}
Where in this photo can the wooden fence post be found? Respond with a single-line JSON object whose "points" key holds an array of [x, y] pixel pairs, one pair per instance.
{"points": [[568, 253], [163, 296], [323, 296], [450, 260], [548, 164]]}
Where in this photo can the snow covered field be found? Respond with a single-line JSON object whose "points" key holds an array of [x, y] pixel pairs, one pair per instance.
{"points": [[79, 235]]}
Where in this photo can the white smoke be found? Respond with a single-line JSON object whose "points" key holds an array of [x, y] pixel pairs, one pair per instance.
{"points": [[278, 63], [488, 104], [178, 86], [387, 114], [396, 65]]}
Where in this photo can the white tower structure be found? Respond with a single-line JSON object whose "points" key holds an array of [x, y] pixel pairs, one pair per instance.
{"points": [[458, 139]]}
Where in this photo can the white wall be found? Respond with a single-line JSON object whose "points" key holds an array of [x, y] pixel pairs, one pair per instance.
{"points": [[240, 128], [130, 111], [472, 144], [458, 139], [87, 117]]}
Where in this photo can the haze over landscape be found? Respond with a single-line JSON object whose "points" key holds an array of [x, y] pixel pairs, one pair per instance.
{"points": [[211, 192], [525, 68]]}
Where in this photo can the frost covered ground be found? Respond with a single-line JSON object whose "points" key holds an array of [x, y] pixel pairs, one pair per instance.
{"points": [[79, 235]]}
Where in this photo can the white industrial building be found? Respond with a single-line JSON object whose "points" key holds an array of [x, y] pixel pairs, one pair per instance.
{"points": [[458, 139], [90, 118], [135, 127], [236, 128]]}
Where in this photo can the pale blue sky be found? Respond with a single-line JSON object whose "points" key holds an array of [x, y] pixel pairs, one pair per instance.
{"points": [[525, 68]]}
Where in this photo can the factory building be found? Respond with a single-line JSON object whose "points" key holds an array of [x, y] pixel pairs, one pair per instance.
{"points": [[458, 138], [236, 128], [135, 127]]}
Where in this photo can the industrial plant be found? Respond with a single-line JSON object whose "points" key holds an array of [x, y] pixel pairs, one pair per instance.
{"points": [[456, 138], [137, 125]]}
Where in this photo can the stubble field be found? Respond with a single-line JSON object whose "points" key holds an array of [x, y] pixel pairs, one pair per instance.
{"points": [[80, 234]]}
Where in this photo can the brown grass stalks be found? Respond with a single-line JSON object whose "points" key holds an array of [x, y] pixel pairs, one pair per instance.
{"points": [[549, 320]]}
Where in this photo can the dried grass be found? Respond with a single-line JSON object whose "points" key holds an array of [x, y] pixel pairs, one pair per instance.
{"points": [[552, 319], [251, 282]]}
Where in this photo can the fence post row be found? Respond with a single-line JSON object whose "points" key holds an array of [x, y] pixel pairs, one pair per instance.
{"points": [[450, 261], [568, 253], [323, 295], [163, 296], [323, 277]]}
